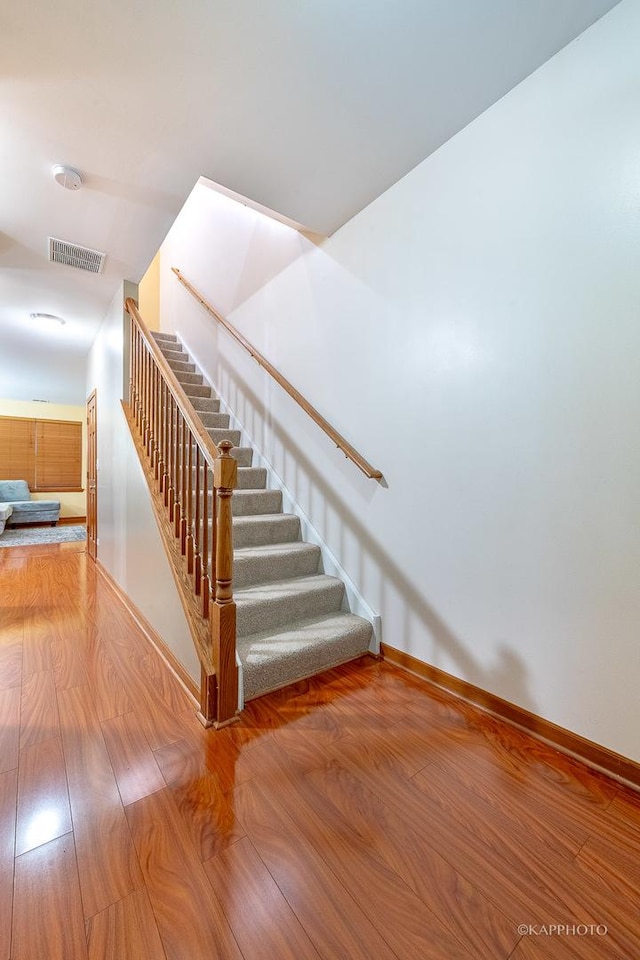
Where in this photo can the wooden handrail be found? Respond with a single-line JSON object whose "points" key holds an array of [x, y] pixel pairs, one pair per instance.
{"points": [[342, 444]]}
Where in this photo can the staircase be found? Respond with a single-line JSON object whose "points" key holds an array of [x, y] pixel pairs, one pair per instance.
{"points": [[290, 618]]}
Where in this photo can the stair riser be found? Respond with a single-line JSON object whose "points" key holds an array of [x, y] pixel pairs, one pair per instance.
{"points": [[219, 421], [254, 616], [252, 478], [249, 503], [259, 533], [181, 366], [195, 390], [173, 352], [263, 673], [189, 379], [254, 503], [218, 435], [253, 570], [205, 404]]}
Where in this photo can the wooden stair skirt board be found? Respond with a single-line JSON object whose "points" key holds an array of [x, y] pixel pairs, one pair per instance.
{"points": [[592, 754], [291, 617]]}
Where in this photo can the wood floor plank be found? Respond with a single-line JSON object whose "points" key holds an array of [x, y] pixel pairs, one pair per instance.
{"points": [[615, 865], [92, 784], [208, 814], [9, 728], [110, 696], [472, 918], [333, 922], [261, 919], [107, 862], [39, 709], [494, 822], [126, 929], [10, 659], [182, 760], [189, 915], [402, 918], [44, 812], [38, 629], [47, 916], [133, 762], [520, 880], [483, 866], [8, 800], [68, 669]]}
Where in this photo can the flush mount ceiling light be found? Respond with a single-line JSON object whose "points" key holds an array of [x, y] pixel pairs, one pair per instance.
{"points": [[67, 177], [48, 316]]}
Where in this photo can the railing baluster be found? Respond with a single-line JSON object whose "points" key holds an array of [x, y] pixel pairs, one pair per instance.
{"points": [[197, 566], [164, 482], [205, 588], [169, 499], [189, 519]]}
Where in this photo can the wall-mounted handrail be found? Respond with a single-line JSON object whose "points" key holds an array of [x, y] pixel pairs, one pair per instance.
{"points": [[194, 480], [344, 445]]}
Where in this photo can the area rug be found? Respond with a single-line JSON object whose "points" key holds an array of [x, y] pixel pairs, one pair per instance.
{"points": [[36, 536]]}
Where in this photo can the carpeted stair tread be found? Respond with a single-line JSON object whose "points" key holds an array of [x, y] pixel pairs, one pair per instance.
{"points": [[189, 379], [164, 337], [274, 561], [205, 404], [218, 434], [183, 365], [175, 356], [251, 478], [255, 502], [197, 390], [179, 358], [214, 419], [254, 531], [276, 658], [265, 606], [244, 455]]}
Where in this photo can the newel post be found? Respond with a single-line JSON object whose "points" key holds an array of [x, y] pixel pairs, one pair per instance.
{"points": [[223, 610]]}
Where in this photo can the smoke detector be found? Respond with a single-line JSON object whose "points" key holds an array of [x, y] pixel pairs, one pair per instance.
{"points": [[67, 177]]}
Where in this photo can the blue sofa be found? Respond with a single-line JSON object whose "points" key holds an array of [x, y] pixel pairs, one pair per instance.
{"points": [[16, 494]]}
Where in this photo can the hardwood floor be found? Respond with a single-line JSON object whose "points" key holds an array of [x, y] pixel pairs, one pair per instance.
{"points": [[364, 815]]}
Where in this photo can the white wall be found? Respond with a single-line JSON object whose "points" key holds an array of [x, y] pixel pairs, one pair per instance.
{"points": [[129, 543], [474, 332]]}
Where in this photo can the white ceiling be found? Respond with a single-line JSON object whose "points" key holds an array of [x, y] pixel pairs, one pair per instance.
{"points": [[310, 108]]}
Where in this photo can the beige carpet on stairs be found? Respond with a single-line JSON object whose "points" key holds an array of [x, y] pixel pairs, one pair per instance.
{"points": [[291, 617]]}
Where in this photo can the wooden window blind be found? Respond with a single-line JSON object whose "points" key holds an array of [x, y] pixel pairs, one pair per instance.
{"points": [[45, 453]]}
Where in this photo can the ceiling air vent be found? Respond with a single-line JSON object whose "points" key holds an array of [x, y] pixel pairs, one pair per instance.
{"points": [[74, 256]]}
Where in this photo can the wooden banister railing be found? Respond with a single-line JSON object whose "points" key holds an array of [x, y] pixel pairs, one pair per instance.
{"points": [[344, 445], [195, 479]]}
